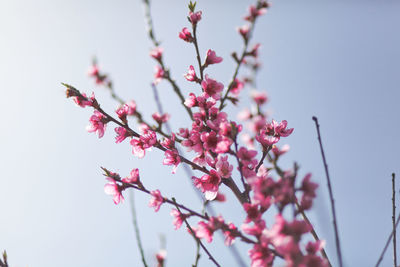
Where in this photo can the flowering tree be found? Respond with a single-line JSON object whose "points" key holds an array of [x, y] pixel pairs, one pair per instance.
{"points": [[220, 152]]}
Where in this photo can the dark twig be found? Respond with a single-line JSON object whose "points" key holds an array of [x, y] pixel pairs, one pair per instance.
{"points": [[135, 225], [393, 219], [338, 250], [4, 263], [197, 239], [388, 242], [313, 232]]}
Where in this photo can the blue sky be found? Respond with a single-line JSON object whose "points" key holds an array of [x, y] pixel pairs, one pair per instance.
{"points": [[338, 60]]}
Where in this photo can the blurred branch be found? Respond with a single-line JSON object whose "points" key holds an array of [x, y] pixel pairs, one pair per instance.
{"points": [[393, 219]]}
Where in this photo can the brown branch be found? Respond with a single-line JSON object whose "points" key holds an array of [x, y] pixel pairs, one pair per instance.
{"points": [[388, 242], [393, 220], [338, 250]]}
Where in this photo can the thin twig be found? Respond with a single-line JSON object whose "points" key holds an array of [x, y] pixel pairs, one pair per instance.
{"points": [[393, 219], [197, 239], [313, 232], [135, 225], [388, 242], [338, 250]]}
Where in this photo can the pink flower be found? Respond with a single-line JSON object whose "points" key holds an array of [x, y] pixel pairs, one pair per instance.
{"points": [[186, 35], [178, 218], [191, 75], [254, 12], [156, 200], [247, 156], [244, 31], [169, 143], [212, 88], [280, 128], [156, 53], [149, 139], [97, 123], [172, 158], [82, 100], [138, 148], [131, 107], [160, 119], [195, 17], [212, 58], [253, 212], [309, 194], [266, 140], [237, 87], [122, 133], [259, 97], [191, 101], [133, 177], [278, 152], [161, 256], [158, 74], [204, 230], [208, 184], [261, 256], [230, 235], [112, 188], [223, 167], [122, 112]]}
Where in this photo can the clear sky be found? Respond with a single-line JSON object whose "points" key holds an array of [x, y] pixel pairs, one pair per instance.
{"points": [[338, 60]]}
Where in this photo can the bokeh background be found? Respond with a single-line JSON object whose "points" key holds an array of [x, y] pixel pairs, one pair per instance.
{"points": [[338, 60]]}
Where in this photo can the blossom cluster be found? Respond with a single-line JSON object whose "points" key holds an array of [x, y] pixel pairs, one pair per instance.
{"points": [[224, 152]]}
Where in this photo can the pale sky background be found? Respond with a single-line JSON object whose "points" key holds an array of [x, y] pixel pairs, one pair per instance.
{"points": [[338, 60]]}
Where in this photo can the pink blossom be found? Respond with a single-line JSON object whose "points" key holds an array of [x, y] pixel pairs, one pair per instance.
{"points": [[160, 118], [172, 158], [161, 256], [204, 230], [122, 112], [237, 87], [220, 197], [156, 200], [169, 143], [149, 139], [309, 194], [259, 97], [244, 31], [138, 148], [195, 17], [122, 133], [191, 75], [254, 12], [93, 70], [278, 152], [186, 35], [158, 74], [256, 229], [208, 184], [212, 88], [224, 144], [133, 177], [178, 218], [156, 53], [245, 114], [212, 58], [280, 128], [266, 140], [261, 256], [230, 235], [191, 101], [112, 188], [247, 156], [223, 167], [97, 124], [131, 107], [254, 52], [253, 212], [144, 142], [83, 100]]}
